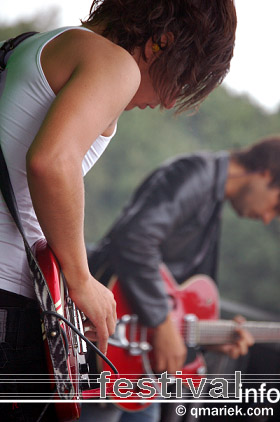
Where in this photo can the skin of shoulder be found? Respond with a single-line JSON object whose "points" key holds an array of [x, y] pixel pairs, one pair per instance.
{"points": [[78, 47], [94, 80], [97, 62]]}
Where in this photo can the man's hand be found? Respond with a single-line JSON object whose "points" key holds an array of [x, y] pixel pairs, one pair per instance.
{"points": [[98, 304], [244, 340], [169, 349]]}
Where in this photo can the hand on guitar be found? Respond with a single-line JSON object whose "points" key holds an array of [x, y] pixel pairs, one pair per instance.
{"points": [[244, 340], [98, 304], [169, 349]]}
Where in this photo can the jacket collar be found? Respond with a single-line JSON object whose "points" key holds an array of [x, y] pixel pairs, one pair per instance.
{"points": [[222, 161]]}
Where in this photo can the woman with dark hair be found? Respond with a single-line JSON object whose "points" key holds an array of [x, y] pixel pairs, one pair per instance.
{"points": [[192, 42], [62, 93]]}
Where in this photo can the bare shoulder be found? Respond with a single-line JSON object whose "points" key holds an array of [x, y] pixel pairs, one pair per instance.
{"points": [[91, 53], [94, 80], [110, 59]]}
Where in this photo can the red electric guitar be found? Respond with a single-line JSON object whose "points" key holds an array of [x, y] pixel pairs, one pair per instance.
{"points": [[66, 412], [195, 310], [77, 366]]}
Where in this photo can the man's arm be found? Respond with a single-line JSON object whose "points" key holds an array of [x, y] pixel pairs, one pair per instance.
{"points": [[136, 240], [161, 203], [164, 204]]}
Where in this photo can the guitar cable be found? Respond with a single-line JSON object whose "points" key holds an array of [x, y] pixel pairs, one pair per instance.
{"points": [[88, 342]]}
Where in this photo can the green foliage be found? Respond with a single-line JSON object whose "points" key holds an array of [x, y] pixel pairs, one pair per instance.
{"points": [[249, 264], [39, 22]]}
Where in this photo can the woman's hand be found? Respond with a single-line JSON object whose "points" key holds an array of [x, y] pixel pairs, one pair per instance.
{"points": [[98, 304]]}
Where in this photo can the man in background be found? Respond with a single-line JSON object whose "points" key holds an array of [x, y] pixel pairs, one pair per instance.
{"points": [[174, 217]]}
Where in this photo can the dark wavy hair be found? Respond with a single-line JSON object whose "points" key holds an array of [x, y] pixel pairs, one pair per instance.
{"points": [[197, 56], [261, 156]]}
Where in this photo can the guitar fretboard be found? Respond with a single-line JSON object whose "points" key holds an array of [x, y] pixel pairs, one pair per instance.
{"points": [[207, 332]]}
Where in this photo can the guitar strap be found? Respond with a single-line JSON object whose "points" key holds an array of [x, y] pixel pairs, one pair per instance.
{"points": [[54, 334]]}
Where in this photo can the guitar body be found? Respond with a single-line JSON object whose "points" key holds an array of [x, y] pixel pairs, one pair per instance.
{"points": [[197, 296], [66, 412]]}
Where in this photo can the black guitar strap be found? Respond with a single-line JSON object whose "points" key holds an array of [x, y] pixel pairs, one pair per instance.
{"points": [[54, 335], [9, 45]]}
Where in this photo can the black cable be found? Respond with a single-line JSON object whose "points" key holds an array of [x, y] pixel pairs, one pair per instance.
{"points": [[65, 340], [89, 343]]}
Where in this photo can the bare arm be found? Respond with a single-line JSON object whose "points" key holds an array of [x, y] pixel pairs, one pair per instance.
{"points": [[93, 97]]}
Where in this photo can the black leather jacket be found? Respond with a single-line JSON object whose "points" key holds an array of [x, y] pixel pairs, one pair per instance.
{"points": [[173, 217]]}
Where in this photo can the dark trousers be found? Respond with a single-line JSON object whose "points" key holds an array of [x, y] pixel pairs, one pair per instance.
{"points": [[23, 371]]}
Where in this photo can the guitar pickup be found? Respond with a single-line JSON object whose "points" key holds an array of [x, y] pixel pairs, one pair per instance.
{"points": [[190, 322], [76, 319], [81, 344]]}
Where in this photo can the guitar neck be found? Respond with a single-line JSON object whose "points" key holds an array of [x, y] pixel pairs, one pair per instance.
{"points": [[209, 332]]}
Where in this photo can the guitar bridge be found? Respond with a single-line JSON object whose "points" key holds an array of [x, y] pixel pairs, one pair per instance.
{"points": [[126, 333]]}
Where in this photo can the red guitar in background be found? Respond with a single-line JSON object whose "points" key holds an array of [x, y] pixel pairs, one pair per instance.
{"points": [[195, 311]]}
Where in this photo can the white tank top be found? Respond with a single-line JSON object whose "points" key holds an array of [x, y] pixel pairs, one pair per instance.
{"points": [[25, 97]]}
